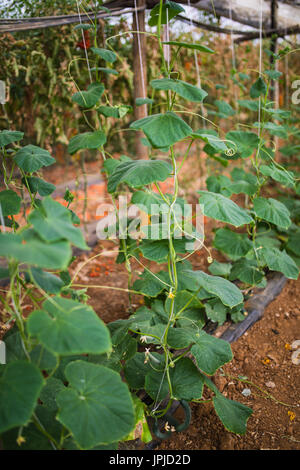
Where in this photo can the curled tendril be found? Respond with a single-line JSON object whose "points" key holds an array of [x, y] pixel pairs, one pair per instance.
{"points": [[230, 152]]}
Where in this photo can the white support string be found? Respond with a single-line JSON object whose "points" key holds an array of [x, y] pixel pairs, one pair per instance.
{"points": [[260, 63], [139, 48], [84, 43]]}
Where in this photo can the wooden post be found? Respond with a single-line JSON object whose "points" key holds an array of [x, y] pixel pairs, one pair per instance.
{"points": [[273, 48], [140, 74]]}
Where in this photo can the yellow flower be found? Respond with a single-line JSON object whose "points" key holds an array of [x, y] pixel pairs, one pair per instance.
{"points": [[288, 346], [171, 295], [292, 415], [265, 361], [21, 440]]}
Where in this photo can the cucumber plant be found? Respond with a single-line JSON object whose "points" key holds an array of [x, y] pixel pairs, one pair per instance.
{"points": [[70, 380]]}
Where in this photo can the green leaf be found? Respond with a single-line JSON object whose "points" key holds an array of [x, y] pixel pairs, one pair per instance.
{"points": [[109, 111], [216, 311], [226, 291], [293, 243], [38, 185], [20, 386], [183, 89], [186, 45], [235, 245], [141, 101], [242, 187], [169, 11], [53, 222], [96, 406], [218, 184], [30, 248], [158, 250], [136, 369], [224, 108], [234, 415], [219, 269], [210, 137], [273, 74], [10, 202], [83, 26], [277, 260], [286, 178], [149, 284], [244, 142], [249, 104], [7, 137], [31, 158], [246, 271], [163, 130], [47, 281], [106, 70], [221, 208], [87, 99], [87, 140], [209, 352], [187, 382], [67, 327], [258, 88], [50, 391], [105, 54], [146, 200], [272, 211], [138, 173]]}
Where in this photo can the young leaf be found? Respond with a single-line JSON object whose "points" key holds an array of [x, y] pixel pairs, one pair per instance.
{"points": [[38, 185], [169, 10]]}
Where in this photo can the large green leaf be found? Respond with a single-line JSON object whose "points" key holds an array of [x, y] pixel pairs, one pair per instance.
{"points": [[31, 158], [7, 137], [221, 208], [10, 202], [87, 140], [196, 46], [187, 382], [67, 327], [272, 211], [20, 386], [163, 130], [235, 245], [53, 222], [96, 406], [138, 173], [88, 98], [183, 89], [277, 260], [30, 248], [234, 415], [210, 353], [243, 142], [158, 250]]}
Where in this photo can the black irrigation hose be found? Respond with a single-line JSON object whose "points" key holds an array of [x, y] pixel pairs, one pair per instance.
{"points": [[255, 309]]}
